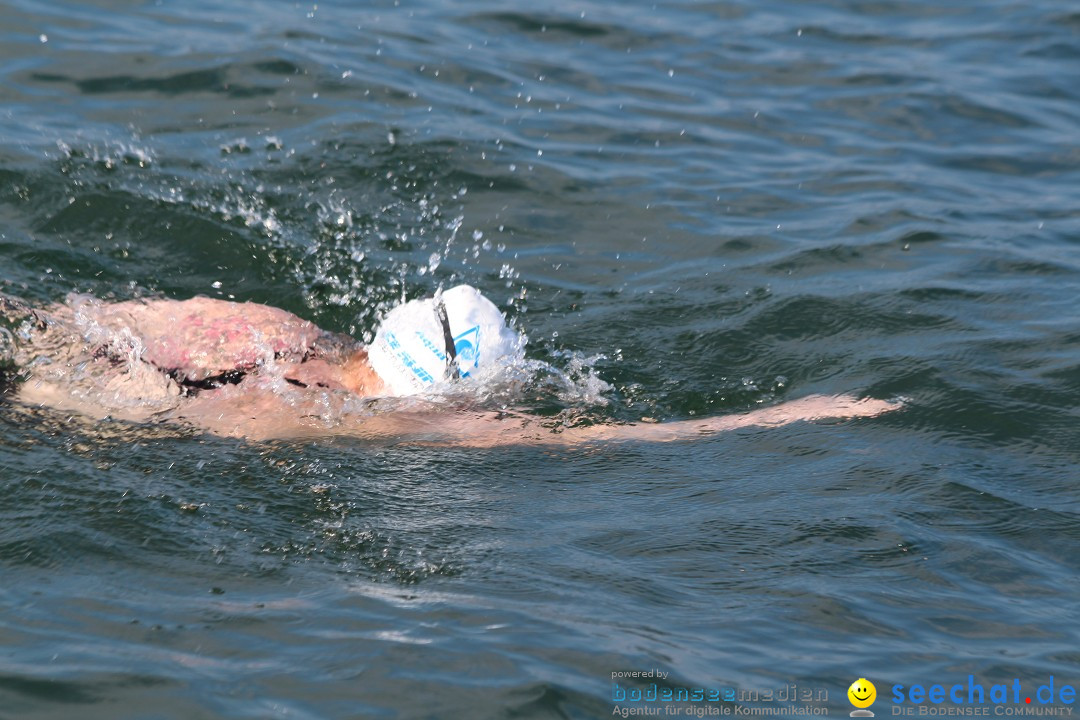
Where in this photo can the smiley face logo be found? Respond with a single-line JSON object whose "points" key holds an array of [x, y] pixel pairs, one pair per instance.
{"points": [[862, 694]]}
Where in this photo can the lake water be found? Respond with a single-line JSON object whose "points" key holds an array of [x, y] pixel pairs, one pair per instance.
{"points": [[691, 208]]}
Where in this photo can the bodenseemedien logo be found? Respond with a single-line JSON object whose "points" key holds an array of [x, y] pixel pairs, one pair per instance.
{"points": [[862, 694]]}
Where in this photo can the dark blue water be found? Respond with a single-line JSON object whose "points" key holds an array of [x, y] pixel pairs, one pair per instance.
{"points": [[691, 209]]}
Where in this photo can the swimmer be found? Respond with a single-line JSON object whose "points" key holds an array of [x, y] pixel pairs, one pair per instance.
{"points": [[257, 372]]}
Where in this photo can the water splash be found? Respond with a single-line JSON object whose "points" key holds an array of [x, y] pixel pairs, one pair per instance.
{"points": [[356, 229]]}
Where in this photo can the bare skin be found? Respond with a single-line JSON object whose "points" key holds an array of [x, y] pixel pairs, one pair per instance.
{"points": [[257, 372]]}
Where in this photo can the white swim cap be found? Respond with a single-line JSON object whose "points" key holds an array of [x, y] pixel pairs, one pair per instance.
{"points": [[412, 344]]}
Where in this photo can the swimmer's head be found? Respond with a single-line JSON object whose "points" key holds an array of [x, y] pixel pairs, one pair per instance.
{"points": [[458, 334]]}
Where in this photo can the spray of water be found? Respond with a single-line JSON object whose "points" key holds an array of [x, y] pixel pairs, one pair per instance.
{"points": [[357, 230]]}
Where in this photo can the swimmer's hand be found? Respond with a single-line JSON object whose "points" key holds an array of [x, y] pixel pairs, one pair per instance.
{"points": [[811, 407]]}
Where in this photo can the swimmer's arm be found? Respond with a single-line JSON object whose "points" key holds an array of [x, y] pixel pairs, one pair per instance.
{"points": [[204, 337], [263, 414], [487, 431]]}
